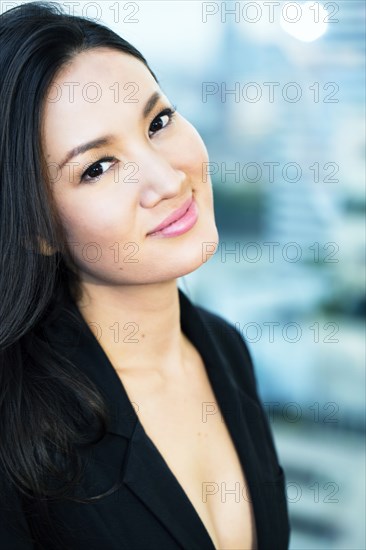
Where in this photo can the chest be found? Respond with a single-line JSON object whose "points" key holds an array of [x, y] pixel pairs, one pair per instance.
{"points": [[185, 424]]}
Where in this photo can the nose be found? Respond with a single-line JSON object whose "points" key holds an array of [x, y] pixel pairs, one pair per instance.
{"points": [[158, 178]]}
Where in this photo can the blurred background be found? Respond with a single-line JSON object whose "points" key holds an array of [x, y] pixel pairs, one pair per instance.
{"points": [[276, 90]]}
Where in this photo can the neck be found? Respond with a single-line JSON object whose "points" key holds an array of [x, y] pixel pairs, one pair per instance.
{"points": [[138, 326]]}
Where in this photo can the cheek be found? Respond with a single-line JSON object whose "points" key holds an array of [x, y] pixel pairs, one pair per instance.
{"points": [[190, 151], [101, 220]]}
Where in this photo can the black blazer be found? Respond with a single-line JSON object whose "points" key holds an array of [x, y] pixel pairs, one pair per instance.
{"points": [[151, 511]]}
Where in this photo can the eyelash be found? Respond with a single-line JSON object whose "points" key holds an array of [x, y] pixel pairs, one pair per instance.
{"points": [[170, 111]]}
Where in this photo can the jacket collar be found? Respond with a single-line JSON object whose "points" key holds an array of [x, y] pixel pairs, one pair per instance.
{"points": [[145, 470]]}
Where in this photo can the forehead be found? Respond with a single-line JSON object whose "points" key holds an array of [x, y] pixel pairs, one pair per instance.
{"points": [[96, 93], [104, 63]]}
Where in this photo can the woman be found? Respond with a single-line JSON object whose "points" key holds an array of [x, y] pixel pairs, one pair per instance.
{"points": [[129, 416]]}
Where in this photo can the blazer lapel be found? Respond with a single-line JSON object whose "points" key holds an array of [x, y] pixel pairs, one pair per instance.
{"points": [[240, 413], [149, 477]]}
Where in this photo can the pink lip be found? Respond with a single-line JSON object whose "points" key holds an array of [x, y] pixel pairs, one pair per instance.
{"points": [[180, 221]]}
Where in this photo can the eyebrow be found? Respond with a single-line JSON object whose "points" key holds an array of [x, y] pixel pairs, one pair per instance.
{"points": [[107, 140]]}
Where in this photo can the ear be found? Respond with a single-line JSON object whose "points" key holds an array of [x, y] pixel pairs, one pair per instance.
{"points": [[45, 248]]}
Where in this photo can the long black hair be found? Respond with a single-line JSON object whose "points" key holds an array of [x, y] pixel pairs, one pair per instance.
{"points": [[42, 399]]}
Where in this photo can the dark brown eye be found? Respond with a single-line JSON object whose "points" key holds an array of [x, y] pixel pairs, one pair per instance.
{"points": [[95, 171], [157, 125]]}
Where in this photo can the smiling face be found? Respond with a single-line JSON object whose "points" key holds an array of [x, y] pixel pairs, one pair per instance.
{"points": [[110, 198]]}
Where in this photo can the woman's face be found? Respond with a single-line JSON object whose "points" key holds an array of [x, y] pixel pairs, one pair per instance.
{"points": [[109, 207]]}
